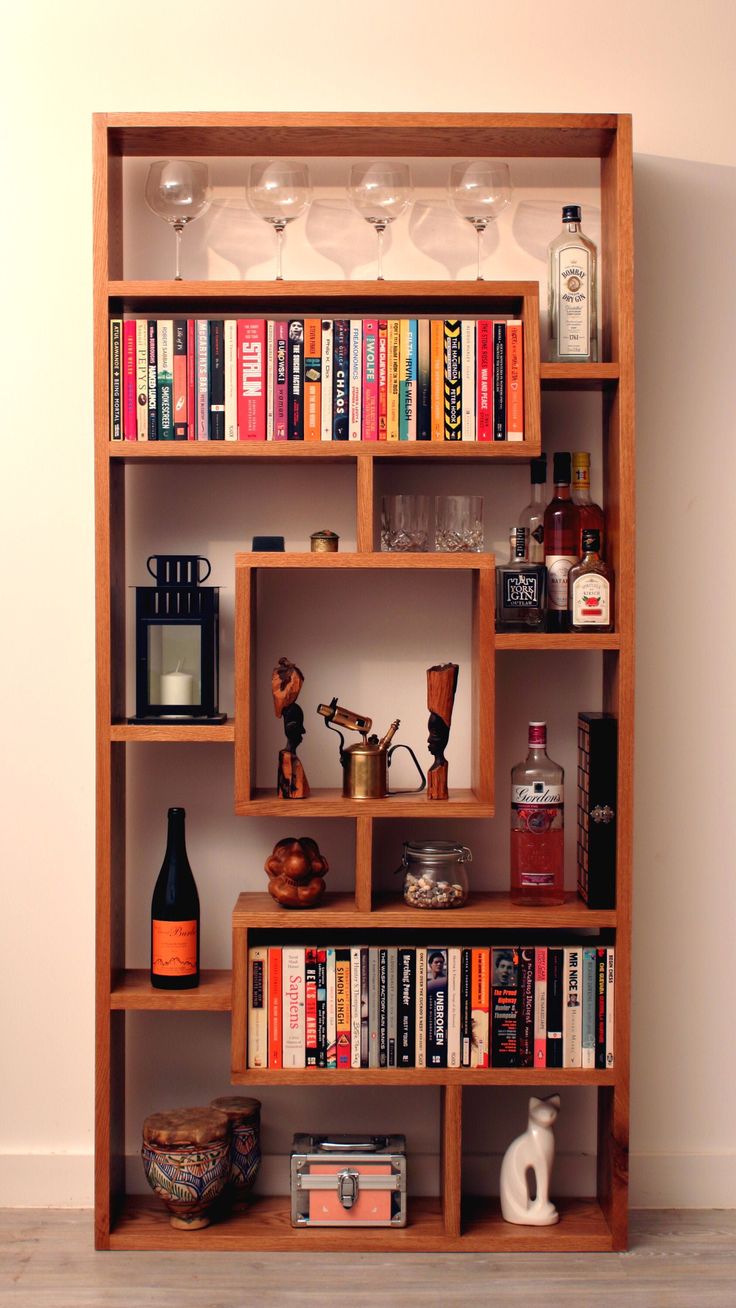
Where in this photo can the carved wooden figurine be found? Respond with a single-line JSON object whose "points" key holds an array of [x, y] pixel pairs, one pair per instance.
{"points": [[296, 870], [441, 687], [286, 683]]}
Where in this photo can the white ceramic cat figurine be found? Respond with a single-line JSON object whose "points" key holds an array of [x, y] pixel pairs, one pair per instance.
{"points": [[535, 1151]]}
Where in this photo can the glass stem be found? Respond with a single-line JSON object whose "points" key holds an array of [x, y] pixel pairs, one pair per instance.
{"points": [[178, 229], [380, 229], [479, 234], [279, 251]]}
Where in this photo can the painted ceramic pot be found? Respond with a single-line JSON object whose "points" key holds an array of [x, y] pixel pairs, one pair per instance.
{"points": [[186, 1158], [245, 1140]]}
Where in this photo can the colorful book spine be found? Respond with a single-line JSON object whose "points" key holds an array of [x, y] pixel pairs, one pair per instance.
{"points": [[484, 380], [116, 379], [355, 398], [257, 1008], [610, 1009], [370, 379], [572, 1013], [181, 423], [437, 378], [234, 378], [540, 1006], [141, 378], [281, 381], [365, 1031], [424, 382], [293, 1008], [328, 339], [296, 379], [332, 1008], [453, 1007], [270, 380], [420, 1031], [587, 1051], [130, 421], [311, 1044], [526, 1007], [251, 374], [165, 379], [217, 380], [600, 1008], [499, 381], [341, 374], [394, 379], [408, 379], [555, 991], [201, 337], [514, 380], [383, 380], [152, 336], [466, 1007], [373, 1005], [191, 383], [437, 1012], [392, 971], [467, 354], [480, 991], [343, 1008], [505, 1007], [355, 1013], [406, 1005], [275, 999], [322, 1007], [453, 380], [382, 1007], [312, 379]]}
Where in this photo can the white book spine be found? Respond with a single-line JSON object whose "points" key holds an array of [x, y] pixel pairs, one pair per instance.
{"points": [[293, 1008], [453, 1007], [141, 378], [327, 379], [258, 1007], [355, 1007], [270, 325], [202, 337], [355, 398], [587, 1052], [392, 970], [572, 1012], [420, 1056], [610, 1015], [373, 999], [467, 342], [231, 379], [331, 1012]]}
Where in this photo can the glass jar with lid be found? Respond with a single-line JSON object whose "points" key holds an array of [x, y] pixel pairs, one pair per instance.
{"points": [[434, 873]]}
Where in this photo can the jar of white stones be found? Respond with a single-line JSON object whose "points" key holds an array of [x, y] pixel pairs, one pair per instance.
{"points": [[434, 873]]}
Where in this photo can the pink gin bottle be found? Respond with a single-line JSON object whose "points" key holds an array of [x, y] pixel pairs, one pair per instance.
{"points": [[537, 825]]}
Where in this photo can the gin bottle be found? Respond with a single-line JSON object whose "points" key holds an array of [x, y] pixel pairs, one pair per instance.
{"points": [[572, 290], [520, 588], [537, 825], [532, 517]]}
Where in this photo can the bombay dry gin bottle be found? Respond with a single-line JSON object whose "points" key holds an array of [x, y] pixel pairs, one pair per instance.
{"points": [[537, 825], [561, 530], [520, 588], [573, 260], [590, 588], [175, 915], [532, 517]]}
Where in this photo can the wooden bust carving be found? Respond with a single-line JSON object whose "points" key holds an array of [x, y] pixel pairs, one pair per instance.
{"points": [[441, 687], [286, 683], [296, 870]]}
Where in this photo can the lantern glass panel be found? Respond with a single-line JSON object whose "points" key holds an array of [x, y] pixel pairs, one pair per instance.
{"points": [[175, 664]]}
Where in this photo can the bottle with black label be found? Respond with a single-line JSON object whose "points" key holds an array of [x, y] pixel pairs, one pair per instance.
{"points": [[520, 588], [175, 915], [561, 527], [532, 517], [590, 588], [573, 261]]}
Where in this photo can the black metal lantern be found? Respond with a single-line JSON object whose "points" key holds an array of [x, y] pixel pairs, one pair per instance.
{"points": [[176, 643]]}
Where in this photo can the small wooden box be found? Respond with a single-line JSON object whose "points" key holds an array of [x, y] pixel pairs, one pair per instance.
{"points": [[597, 774], [348, 1180]]}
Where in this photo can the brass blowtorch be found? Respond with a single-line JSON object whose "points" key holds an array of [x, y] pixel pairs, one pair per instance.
{"points": [[365, 765]]}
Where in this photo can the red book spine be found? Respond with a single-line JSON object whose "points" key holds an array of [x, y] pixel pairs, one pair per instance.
{"points": [[191, 383], [484, 405], [275, 1036], [251, 381], [310, 1007], [370, 380], [281, 381], [382, 380], [130, 416]]}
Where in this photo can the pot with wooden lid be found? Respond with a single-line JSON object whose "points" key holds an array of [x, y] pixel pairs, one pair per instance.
{"points": [[186, 1158]]}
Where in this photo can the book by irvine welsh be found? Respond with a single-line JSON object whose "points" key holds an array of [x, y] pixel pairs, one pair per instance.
{"points": [[373, 1005], [165, 378], [281, 381], [341, 374], [355, 1006], [328, 337], [151, 335], [572, 1013], [292, 989], [382, 379], [233, 374], [587, 1058], [393, 964], [424, 382], [296, 379], [453, 381], [202, 343], [312, 379], [365, 1017], [141, 378], [343, 1008], [355, 399], [275, 1000], [526, 1006], [406, 1003], [331, 1018], [370, 379], [181, 423], [540, 1006], [480, 998], [130, 422], [251, 373], [484, 380], [437, 1015], [437, 378], [393, 380], [466, 957], [600, 1007], [420, 1030], [311, 1046], [467, 340], [610, 986], [514, 381], [270, 337], [322, 1008], [257, 1008], [217, 379], [116, 379], [504, 1007], [555, 982], [191, 383], [408, 379], [453, 1007], [499, 381], [382, 1007]]}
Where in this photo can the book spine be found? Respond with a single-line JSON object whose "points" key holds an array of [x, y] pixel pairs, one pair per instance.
{"points": [[373, 1006], [270, 380], [514, 380], [281, 381], [370, 379], [202, 338], [151, 353], [251, 373], [408, 380], [257, 1008], [453, 381], [340, 374], [453, 1007], [499, 381], [165, 379], [505, 1007], [382, 1007], [420, 1036], [392, 1042], [572, 1014], [293, 1008], [393, 334], [467, 354], [311, 1048], [424, 382], [526, 1007], [407, 1008], [383, 380], [610, 988], [332, 1009], [322, 1008], [355, 400], [234, 379], [328, 341], [480, 992], [365, 1032], [436, 1008], [312, 379], [484, 382], [466, 1028], [191, 383], [181, 423], [130, 422], [217, 380], [141, 378], [600, 1008], [555, 982], [587, 1052], [540, 1006], [296, 379], [344, 1000], [355, 1006], [437, 378], [116, 379], [275, 1029]]}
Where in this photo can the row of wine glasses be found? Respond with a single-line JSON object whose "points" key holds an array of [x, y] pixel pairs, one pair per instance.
{"points": [[279, 190]]}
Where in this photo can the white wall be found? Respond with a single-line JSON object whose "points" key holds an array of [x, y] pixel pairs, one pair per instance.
{"points": [[669, 65]]}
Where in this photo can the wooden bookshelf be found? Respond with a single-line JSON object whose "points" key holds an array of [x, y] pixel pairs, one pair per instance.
{"points": [[453, 1221]]}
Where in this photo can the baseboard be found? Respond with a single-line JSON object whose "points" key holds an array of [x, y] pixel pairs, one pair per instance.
{"points": [[683, 1180], [46, 1180]]}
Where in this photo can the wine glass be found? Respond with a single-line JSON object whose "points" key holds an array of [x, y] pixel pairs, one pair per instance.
{"points": [[479, 191], [380, 192], [178, 190], [279, 190]]}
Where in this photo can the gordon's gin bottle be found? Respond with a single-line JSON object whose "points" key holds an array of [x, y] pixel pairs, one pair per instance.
{"points": [[537, 825]]}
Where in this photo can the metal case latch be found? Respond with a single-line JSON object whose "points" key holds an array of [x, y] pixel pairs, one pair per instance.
{"points": [[347, 1187]]}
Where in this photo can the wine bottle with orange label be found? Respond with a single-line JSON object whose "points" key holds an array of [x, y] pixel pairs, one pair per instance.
{"points": [[175, 915]]}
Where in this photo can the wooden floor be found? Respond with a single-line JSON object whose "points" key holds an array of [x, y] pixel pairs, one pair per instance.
{"points": [[676, 1260]]}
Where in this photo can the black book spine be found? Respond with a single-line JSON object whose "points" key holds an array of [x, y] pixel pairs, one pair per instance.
{"points": [[505, 1008], [424, 406], [383, 1008], [295, 430], [555, 978], [466, 1029], [340, 382], [436, 1008], [499, 381], [321, 1007], [217, 380], [116, 383], [600, 1008], [407, 1007], [311, 1042], [526, 1007]]}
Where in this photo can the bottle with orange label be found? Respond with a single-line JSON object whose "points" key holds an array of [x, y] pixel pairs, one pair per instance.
{"points": [[175, 915]]}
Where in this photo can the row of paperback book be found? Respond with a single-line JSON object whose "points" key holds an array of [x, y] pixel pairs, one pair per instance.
{"points": [[365, 1006], [315, 379]]}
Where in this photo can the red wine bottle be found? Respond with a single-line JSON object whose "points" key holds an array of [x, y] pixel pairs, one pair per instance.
{"points": [[561, 532], [175, 915]]}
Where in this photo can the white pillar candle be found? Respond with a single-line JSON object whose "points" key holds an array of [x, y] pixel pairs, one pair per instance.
{"points": [[176, 688]]}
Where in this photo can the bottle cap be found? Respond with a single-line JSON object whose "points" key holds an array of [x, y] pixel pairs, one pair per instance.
{"points": [[538, 470], [538, 733], [571, 213], [591, 540], [518, 540], [581, 459], [562, 467]]}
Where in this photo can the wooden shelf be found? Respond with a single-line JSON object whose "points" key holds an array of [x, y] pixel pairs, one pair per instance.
{"points": [[415, 1076], [579, 376], [330, 803], [224, 734], [132, 991], [483, 911], [390, 562], [506, 296], [573, 640], [319, 451]]}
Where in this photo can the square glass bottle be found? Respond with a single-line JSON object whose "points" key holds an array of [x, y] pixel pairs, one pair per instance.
{"points": [[520, 588]]}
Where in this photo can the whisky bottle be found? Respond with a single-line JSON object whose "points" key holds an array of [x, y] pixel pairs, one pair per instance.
{"points": [[592, 516], [561, 528], [572, 293], [537, 825], [532, 517], [520, 588], [590, 588]]}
